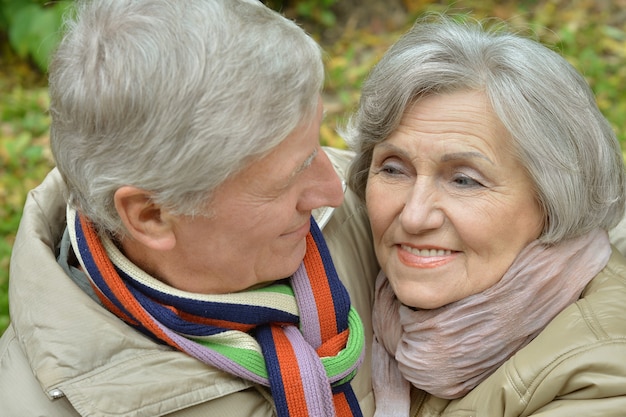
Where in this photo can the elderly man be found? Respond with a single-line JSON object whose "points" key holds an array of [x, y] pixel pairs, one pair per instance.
{"points": [[173, 264]]}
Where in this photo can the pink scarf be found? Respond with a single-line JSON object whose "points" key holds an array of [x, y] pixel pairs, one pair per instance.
{"points": [[450, 350]]}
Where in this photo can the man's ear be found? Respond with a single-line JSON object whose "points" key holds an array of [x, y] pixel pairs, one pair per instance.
{"points": [[145, 221]]}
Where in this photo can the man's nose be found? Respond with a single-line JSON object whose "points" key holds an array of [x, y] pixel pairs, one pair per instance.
{"points": [[325, 189]]}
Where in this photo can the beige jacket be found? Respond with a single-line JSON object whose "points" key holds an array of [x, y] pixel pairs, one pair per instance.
{"points": [[64, 355], [575, 367]]}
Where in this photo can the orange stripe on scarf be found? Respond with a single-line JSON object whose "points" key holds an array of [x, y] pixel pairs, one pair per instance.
{"points": [[223, 324], [334, 345], [321, 291], [122, 293], [341, 405], [292, 380]]}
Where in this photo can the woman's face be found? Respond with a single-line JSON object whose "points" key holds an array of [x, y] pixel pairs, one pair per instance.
{"points": [[450, 204]]}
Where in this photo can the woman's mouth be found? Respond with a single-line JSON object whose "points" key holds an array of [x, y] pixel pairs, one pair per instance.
{"points": [[425, 257]]}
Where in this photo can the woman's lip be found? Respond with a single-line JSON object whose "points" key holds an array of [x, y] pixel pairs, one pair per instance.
{"points": [[424, 257], [426, 250]]}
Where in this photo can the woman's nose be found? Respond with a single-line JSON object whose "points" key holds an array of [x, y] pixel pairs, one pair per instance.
{"points": [[422, 210]]}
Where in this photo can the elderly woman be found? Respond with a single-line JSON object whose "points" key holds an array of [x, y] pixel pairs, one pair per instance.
{"points": [[186, 276], [491, 179]]}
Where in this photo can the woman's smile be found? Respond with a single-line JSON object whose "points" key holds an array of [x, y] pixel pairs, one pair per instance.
{"points": [[424, 258]]}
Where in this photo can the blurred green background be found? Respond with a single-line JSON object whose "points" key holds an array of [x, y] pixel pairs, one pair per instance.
{"points": [[591, 34]]}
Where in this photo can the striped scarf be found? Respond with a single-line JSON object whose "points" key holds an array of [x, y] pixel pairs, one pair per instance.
{"points": [[300, 336]]}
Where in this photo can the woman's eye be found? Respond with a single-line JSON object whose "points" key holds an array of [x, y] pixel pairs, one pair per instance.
{"points": [[465, 181], [388, 169], [391, 168]]}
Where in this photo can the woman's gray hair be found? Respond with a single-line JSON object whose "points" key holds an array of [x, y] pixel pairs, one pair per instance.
{"points": [[173, 97], [561, 138]]}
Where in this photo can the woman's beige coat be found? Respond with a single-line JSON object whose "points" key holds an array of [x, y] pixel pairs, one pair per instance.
{"points": [[575, 367], [64, 355]]}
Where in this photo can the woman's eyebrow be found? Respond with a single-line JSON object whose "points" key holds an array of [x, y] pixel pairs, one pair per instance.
{"points": [[464, 155], [391, 147]]}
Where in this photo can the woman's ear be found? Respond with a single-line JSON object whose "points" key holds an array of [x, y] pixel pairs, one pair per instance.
{"points": [[145, 221]]}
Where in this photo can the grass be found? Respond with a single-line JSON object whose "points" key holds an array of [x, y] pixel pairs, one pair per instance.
{"points": [[590, 34], [24, 161]]}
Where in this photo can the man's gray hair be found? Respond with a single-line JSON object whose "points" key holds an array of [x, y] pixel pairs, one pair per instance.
{"points": [[173, 97]]}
